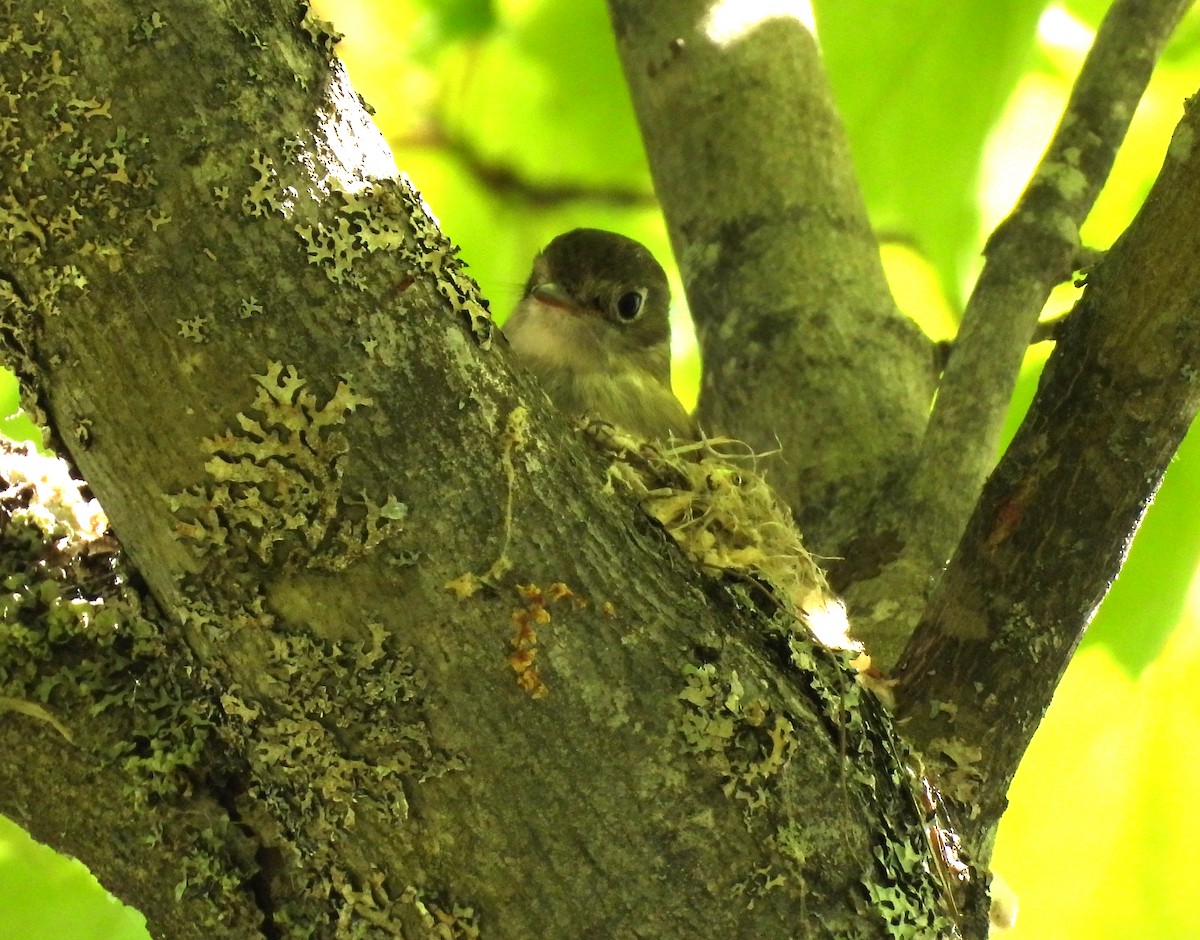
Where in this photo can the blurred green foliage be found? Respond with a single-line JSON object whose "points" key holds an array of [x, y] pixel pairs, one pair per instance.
{"points": [[512, 118], [14, 423], [938, 78], [45, 896]]}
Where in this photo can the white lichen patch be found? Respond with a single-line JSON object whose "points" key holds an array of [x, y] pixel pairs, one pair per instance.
{"points": [[275, 483], [1066, 178], [57, 507]]}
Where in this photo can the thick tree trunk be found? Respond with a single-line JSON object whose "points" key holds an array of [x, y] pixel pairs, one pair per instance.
{"points": [[806, 356], [264, 359], [387, 648]]}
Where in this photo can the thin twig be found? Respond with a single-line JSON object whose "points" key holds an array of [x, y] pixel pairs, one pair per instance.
{"points": [[1055, 519], [511, 182], [1034, 249]]}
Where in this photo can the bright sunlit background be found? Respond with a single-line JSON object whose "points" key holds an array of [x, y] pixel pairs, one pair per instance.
{"points": [[512, 119]]}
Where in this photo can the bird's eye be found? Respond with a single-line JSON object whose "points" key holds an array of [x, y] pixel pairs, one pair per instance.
{"points": [[629, 304]]}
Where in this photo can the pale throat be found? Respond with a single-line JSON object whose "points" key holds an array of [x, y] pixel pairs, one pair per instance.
{"points": [[552, 338]]}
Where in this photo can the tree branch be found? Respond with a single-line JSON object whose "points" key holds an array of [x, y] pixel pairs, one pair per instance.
{"points": [[801, 341], [1055, 519], [272, 370], [1034, 249], [68, 733], [509, 182]]}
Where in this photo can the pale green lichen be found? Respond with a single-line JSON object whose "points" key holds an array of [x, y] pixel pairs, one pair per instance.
{"points": [[49, 113], [319, 31], [331, 728], [733, 732], [959, 768], [73, 636], [147, 27], [727, 520], [1066, 178], [758, 883], [74, 641], [249, 307], [388, 216], [262, 197], [194, 328], [443, 920], [1019, 633], [206, 867], [433, 253], [329, 742], [275, 491], [346, 726], [362, 224]]}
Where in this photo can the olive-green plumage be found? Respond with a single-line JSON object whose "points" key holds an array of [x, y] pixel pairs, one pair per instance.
{"points": [[593, 326]]}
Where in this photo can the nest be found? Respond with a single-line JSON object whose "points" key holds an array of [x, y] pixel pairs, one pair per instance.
{"points": [[723, 514]]}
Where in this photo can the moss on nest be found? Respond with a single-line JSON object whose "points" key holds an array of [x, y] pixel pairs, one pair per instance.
{"points": [[727, 519]]}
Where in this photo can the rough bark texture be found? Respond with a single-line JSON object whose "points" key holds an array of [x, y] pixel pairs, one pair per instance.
{"points": [[750, 225], [1052, 525], [804, 350], [101, 707], [266, 362], [1034, 249]]}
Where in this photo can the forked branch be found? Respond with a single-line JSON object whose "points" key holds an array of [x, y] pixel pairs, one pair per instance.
{"points": [[1034, 249], [1055, 519]]}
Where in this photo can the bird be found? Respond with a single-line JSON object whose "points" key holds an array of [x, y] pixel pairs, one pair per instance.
{"points": [[592, 325]]}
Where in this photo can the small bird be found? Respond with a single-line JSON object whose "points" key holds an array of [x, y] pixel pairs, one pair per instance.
{"points": [[593, 326]]}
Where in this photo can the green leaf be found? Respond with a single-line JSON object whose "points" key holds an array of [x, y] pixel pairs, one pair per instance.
{"points": [[920, 85], [14, 423], [545, 97], [47, 896], [458, 20]]}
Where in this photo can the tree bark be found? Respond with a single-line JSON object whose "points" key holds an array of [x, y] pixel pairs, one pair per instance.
{"points": [[1054, 521], [1005, 618], [806, 357], [383, 650], [1029, 253]]}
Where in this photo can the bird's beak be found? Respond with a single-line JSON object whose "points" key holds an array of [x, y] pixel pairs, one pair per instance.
{"points": [[552, 295]]}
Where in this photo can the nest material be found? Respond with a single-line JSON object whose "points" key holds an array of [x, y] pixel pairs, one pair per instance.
{"points": [[727, 519]]}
